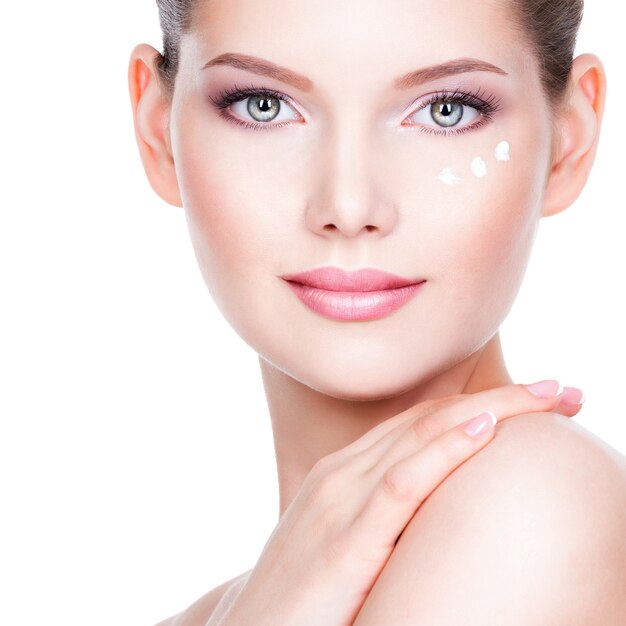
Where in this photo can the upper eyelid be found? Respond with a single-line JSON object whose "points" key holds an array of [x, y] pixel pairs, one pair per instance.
{"points": [[467, 97], [247, 92]]}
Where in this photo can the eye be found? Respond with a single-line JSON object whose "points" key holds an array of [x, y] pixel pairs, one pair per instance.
{"points": [[262, 108], [449, 113], [446, 114], [442, 112], [255, 108]]}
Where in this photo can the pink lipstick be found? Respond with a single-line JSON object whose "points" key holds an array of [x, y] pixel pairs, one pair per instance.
{"points": [[365, 294]]}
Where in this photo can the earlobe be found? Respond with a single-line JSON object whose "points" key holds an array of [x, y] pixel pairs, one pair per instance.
{"points": [[579, 130], [151, 119]]}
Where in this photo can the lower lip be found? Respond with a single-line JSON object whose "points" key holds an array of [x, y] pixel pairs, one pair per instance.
{"points": [[354, 305]]}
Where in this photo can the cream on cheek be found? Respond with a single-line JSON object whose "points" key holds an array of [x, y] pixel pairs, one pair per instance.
{"points": [[478, 165], [502, 151]]}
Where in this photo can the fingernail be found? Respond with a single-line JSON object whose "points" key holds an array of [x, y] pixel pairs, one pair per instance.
{"points": [[480, 424], [572, 396], [545, 388]]}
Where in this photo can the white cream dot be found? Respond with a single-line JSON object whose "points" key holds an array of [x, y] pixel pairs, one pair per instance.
{"points": [[479, 167], [502, 151], [448, 177]]}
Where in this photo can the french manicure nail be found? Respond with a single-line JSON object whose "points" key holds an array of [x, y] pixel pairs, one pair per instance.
{"points": [[545, 388], [480, 423]]}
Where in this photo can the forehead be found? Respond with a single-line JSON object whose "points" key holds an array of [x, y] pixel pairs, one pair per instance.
{"points": [[357, 40]]}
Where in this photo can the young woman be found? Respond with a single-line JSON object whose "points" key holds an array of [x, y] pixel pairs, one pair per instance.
{"points": [[363, 184]]}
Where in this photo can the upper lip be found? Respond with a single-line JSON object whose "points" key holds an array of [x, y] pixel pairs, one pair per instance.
{"points": [[336, 279]]}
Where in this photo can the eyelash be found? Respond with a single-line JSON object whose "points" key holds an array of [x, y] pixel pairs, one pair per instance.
{"points": [[486, 105]]}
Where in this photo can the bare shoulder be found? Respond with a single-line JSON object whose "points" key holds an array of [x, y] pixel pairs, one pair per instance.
{"points": [[540, 512], [202, 609]]}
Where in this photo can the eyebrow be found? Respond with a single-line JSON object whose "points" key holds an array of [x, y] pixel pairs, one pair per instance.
{"points": [[449, 68], [263, 67], [406, 81]]}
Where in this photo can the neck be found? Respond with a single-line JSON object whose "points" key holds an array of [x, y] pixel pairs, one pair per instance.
{"points": [[308, 425]]}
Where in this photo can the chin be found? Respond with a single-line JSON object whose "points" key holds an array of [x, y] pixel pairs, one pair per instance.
{"points": [[364, 371], [361, 362], [360, 382]]}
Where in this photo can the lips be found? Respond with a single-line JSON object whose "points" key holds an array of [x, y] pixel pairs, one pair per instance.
{"points": [[336, 279], [366, 294]]}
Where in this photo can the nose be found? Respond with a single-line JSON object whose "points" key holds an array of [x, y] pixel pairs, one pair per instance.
{"points": [[349, 198]]}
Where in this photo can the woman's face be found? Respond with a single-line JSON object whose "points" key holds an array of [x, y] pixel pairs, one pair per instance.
{"points": [[356, 169]]}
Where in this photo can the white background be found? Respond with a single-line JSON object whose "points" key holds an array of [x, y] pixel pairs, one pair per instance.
{"points": [[135, 448]]}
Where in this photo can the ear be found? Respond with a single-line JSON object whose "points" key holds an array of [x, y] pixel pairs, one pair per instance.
{"points": [[578, 130], [151, 111]]}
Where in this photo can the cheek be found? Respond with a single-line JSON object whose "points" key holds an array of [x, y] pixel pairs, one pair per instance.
{"points": [[236, 212], [212, 203], [491, 213]]}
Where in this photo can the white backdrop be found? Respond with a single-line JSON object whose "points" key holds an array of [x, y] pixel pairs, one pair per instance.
{"points": [[135, 473]]}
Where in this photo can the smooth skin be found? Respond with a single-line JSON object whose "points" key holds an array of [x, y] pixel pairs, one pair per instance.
{"points": [[322, 561], [344, 182], [354, 506]]}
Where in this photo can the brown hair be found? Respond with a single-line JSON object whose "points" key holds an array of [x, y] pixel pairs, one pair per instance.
{"points": [[550, 28], [176, 18]]}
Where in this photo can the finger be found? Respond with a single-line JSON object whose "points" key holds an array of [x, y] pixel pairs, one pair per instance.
{"points": [[401, 488], [505, 401], [379, 438], [571, 402], [382, 429]]}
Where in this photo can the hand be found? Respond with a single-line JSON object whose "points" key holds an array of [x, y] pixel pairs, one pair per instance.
{"points": [[334, 539]]}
